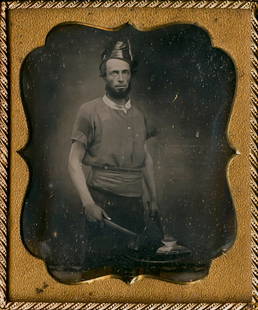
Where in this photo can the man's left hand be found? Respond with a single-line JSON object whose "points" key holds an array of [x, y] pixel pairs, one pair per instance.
{"points": [[154, 208]]}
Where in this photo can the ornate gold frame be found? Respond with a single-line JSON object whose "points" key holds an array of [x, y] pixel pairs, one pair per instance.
{"points": [[7, 6]]}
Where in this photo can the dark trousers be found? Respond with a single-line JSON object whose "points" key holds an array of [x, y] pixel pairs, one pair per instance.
{"points": [[104, 242]]}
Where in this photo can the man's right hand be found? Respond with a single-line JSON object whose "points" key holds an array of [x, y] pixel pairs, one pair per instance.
{"points": [[95, 213]]}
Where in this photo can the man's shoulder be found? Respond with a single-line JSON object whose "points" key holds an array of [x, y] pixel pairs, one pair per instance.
{"points": [[90, 106], [138, 110]]}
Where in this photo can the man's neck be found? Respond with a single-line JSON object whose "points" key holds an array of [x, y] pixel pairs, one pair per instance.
{"points": [[119, 101]]}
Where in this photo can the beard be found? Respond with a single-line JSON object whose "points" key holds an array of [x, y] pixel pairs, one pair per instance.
{"points": [[118, 93]]}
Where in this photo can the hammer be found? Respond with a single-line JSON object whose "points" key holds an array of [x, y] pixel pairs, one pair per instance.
{"points": [[144, 241]]}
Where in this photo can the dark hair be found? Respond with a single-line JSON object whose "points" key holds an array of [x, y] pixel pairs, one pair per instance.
{"points": [[103, 68]]}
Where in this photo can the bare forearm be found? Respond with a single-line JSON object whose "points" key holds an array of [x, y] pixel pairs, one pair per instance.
{"points": [[76, 156], [78, 179], [148, 173], [93, 211]]}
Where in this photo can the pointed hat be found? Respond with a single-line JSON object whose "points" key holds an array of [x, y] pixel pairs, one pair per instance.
{"points": [[118, 50]]}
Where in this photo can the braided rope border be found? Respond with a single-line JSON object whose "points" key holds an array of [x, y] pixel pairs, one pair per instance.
{"points": [[133, 3], [253, 156], [127, 306], [3, 153], [4, 142]]}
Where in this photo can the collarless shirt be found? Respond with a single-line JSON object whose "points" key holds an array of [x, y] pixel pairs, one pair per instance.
{"points": [[114, 144], [116, 106]]}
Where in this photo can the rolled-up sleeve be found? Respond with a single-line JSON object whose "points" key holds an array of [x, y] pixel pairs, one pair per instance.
{"points": [[82, 128], [151, 130]]}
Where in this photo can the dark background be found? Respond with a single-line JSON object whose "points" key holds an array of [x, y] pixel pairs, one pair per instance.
{"points": [[186, 88]]}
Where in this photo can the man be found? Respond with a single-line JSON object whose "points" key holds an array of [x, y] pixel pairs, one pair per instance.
{"points": [[109, 136]]}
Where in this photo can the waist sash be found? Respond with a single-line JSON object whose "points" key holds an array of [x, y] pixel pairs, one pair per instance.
{"points": [[120, 181]]}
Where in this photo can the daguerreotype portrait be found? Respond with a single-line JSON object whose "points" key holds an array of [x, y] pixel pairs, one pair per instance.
{"points": [[131, 164], [130, 171]]}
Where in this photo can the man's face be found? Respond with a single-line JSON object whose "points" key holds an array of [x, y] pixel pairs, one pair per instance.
{"points": [[118, 77]]}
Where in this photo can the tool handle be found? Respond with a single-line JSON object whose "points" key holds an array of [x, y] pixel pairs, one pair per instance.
{"points": [[120, 228]]}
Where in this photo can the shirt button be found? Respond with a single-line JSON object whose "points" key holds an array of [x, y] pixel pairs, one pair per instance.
{"points": [[129, 127]]}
